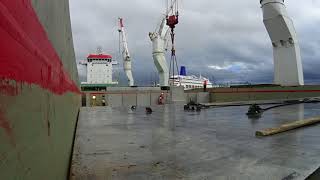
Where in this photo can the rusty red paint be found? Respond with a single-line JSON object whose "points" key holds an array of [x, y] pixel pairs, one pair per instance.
{"points": [[26, 54], [99, 56]]}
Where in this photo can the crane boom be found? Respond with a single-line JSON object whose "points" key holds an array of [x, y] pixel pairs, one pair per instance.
{"points": [[126, 54], [172, 7], [159, 40]]}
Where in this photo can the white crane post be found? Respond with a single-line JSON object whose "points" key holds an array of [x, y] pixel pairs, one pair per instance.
{"points": [[158, 53], [126, 54], [286, 51]]}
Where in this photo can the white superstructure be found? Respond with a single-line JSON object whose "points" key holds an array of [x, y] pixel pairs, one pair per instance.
{"points": [[287, 59], [190, 82], [99, 69]]}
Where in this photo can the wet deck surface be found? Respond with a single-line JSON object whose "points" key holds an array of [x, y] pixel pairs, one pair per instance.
{"points": [[213, 144]]}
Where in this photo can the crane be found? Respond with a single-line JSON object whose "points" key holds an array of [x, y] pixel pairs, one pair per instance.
{"points": [[159, 40], [286, 51], [126, 54]]}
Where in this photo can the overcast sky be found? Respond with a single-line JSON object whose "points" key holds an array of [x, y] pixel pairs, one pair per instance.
{"points": [[224, 40]]}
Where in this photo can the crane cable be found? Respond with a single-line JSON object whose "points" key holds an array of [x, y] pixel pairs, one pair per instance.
{"points": [[119, 53], [119, 45], [174, 61], [172, 21]]}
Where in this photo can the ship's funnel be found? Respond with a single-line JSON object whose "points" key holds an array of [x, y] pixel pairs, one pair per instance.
{"points": [[183, 71], [286, 52]]}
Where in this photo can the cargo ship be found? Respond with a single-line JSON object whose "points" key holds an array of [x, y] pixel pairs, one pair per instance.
{"points": [[39, 90]]}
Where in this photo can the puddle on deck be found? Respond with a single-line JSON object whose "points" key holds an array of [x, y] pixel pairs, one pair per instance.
{"points": [[212, 144]]}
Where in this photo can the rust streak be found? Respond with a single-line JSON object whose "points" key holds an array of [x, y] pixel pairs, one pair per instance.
{"points": [[8, 89], [4, 124]]}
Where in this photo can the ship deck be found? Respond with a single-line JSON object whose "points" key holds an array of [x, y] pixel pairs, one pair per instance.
{"points": [[118, 143]]}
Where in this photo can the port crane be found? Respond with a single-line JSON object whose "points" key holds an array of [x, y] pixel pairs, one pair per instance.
{"points": [[288, 69], [125, 54], [159, 40]]}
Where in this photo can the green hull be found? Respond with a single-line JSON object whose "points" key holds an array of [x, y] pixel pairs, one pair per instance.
{"points": [[37, 125]]}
